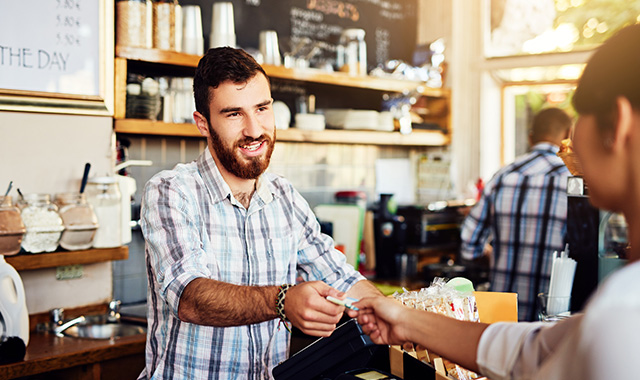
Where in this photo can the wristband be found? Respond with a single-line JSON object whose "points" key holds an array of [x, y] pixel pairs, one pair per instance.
{"points": [[282, 292]]}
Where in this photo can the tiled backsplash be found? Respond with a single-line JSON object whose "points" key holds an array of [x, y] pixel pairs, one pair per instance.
{"points": [[316, 170]]}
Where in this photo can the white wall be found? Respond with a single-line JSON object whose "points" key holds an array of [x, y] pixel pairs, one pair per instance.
{"points": [[46, 153]]}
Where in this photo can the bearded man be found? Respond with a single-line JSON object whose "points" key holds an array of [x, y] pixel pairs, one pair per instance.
{"points": [[226, 241]]}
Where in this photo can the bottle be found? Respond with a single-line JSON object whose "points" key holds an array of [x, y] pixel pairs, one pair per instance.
{"points": [[42, 221], [13, 305], [352, 52], [80, 221], [103, 194], [11, 227]]}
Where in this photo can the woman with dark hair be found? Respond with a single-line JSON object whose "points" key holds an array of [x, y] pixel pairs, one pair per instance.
{"points": [[600, 343]]}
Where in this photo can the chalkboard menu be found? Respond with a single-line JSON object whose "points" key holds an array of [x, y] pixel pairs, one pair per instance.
{"points": [[390, 25], [56, 49]]}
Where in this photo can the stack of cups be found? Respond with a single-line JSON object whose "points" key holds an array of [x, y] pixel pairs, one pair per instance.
{"points": [[192, 37], [222, 26], [269, 47]]}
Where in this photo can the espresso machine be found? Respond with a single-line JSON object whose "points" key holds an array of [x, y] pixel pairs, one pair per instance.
{"points": [[390, 232], [582, 236], [597, 241]]}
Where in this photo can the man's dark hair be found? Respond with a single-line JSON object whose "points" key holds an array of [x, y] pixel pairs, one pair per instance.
{"points": [[550, 123], [611, 72], [220, 65]]}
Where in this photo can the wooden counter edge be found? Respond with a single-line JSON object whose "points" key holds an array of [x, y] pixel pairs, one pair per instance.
{"points": [[95, 352]]}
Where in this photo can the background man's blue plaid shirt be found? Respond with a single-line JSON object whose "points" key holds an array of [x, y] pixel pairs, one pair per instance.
{"points": [[522, 213]]}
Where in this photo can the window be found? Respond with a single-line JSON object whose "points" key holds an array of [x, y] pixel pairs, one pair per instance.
{"points": [[542, 26]]}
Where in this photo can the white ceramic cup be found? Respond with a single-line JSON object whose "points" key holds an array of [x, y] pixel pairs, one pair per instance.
{"points": [[192, 37], [269, 47], [222, 25]]}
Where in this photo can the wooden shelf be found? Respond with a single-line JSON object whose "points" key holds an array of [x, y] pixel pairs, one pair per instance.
{"points": [[327, 136], [150, 127], [280, 72], [62, 258]]}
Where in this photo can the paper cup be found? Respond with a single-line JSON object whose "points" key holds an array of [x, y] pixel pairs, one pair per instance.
{"points": [[269, 47], [192, 37]]}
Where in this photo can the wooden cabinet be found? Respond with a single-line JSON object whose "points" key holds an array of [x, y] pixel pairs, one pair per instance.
{"points": [[434, 103]]}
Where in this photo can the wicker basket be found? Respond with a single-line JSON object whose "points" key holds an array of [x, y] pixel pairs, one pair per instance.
{"points": [[571, 161]]}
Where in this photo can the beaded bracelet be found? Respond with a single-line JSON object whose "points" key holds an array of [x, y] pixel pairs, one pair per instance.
{"points": [[282, 292]]}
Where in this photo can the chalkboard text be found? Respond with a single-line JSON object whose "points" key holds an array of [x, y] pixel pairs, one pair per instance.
{"points": [[30, 59]]}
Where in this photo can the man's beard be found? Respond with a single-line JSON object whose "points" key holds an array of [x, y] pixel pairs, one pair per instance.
{"points": [[242, 167]]}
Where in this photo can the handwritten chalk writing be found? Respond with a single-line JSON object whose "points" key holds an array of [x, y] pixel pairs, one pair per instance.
{"points": [[383, 41], [384, 4], [392, 15], [301, 28], [67, 39], [306, 15], [68, 4], [67, 21], [21, 57], [334, 7]]}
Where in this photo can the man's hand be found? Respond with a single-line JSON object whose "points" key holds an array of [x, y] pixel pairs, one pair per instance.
{"points": [[306, 307]]}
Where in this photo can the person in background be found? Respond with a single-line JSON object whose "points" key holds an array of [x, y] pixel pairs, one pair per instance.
{"points": [[225, 242], [522, 213], [602, 342]]}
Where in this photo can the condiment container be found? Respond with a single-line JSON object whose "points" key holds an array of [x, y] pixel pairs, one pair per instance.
{"points": [[11, 227], [164, 24], [80, 221], [133, 19], [103, 194], [352, 52], [42, 221]]}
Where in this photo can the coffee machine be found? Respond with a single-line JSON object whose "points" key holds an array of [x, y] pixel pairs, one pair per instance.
{"points": [[390, 232], [597, 241]]}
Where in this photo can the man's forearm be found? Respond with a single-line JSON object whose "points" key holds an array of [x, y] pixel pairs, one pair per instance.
{"points": [[214, 303]]}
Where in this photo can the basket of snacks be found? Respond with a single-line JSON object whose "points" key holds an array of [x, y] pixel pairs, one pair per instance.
{"points": [[570, 158]]}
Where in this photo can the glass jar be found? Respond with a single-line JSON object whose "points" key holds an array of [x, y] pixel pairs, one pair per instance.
{"points": [[164, 23], [133, 23], [42, 221], [80, 222], [352, 52], [11, 227], [103, 194]]}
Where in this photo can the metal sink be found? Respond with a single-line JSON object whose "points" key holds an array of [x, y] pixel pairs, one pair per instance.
{"points": [[100, 327]]}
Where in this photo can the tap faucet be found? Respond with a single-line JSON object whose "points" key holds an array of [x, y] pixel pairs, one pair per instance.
{"points": [[114, 311], [58, 330], [57, 316], [59, 326]]}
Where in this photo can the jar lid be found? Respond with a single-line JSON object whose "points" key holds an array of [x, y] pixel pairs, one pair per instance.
{"points": [[102, 180], [351, 194], [354, 33]]}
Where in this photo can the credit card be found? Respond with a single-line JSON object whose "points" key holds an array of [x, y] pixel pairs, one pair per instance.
{"points": [[347, 302]]}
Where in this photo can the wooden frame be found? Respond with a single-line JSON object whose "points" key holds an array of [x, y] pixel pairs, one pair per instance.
{"points": [[87, 88]]}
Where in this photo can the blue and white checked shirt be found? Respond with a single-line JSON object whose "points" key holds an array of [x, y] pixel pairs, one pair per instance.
{"points": [[194, 227], [523, 210]]}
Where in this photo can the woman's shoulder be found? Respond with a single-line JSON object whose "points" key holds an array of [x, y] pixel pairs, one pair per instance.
{"points": [[619, 290]]}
